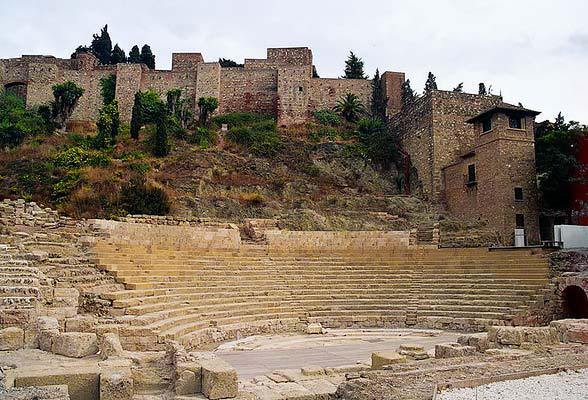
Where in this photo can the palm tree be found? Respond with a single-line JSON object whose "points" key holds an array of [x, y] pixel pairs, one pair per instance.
{"points": [[350, 107]]}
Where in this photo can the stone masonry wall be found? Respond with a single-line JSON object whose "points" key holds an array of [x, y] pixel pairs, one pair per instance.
{"points": [[504, 159], [247, 90], [165, 236], [280, 85], [415, 125], [324, 93], [290, 241]]}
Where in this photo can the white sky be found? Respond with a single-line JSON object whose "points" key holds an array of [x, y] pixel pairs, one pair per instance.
{"points": [[535, 52]]}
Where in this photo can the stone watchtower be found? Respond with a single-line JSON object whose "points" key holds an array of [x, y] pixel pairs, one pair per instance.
{"points": [[495, 179]]}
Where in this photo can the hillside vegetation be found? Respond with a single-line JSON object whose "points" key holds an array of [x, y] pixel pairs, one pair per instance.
{"points": [[313, 176]]}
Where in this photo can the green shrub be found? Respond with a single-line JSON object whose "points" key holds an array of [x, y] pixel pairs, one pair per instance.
{"points": [[260, 138], [108, 125], [323, 132], [66, 185], [108, 88], [138, 198], [140, 167], [327, 117], [238, 119], [204, 137], [17, 122], [132, 155], [78, 157]]}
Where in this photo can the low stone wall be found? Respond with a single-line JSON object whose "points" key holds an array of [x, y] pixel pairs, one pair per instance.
{"points": [[19, 212], [170, 236], [285, 241], [171, 220]]}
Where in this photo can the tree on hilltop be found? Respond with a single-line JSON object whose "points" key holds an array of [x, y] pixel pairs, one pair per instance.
{"points": [[379, 101], [482, 88], [102, 46], [408, 95], [228, 63], [354, 67], [118, 55], [147, 56], [431, 83], [134, 55], [458, 88]]}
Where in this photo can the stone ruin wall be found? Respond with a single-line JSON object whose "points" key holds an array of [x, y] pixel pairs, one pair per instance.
{"points": [[280, 85], [434, 132]]}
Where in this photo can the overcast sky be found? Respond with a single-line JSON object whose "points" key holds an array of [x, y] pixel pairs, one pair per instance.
{"points": [[534, 52]]}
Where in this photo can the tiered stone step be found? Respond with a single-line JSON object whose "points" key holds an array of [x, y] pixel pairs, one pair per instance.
{"points": [[19, 284], [202, 296]]}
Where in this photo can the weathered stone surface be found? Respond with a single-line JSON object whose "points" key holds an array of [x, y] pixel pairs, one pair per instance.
{"points": [[413, 351], [75, 344], [47, 323], [219, 379], [46, 338], [116, 385], [313, 370], [186, 383], [314, 329], [571, 330], [478, 340], [11, 338], [81, 323], [544, 335], [110, 346], [506, 335], [382, 358], [449, 350]]}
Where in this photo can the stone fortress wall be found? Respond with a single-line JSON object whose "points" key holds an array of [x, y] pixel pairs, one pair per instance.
{"points": [[280, 85]]}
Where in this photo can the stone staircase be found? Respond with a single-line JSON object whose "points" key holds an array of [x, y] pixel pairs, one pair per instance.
{"points": [[199, 297]]}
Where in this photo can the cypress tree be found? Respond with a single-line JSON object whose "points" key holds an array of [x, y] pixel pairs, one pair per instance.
{"points": [[431, 83], [147, 56], [118, 55], [408, 95], [102, 46], [379, 100], [136, 117], [482, 89], [354, 67], [134, 55]]}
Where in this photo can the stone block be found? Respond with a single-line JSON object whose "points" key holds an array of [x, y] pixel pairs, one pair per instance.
{"points": [[544, 335], [564, 326], [313, 370], [413, 351], [75, 344], [47, 323], [478, 340], [11, 339], [219, 379], [450, 350], [314, 329], [186, 383], [381, 359], [116, 385], [81, 323], [578, 334], [110, 346], [506, 335], [46, 338]]}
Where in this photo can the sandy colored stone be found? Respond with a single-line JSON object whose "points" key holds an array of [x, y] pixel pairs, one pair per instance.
{"points": [[386, 357], [314, 329], [313, 370], [219, 379], [413, 351], [450, 350], [116, 385], [75, 344], [46, 338], [506, 335], [11, 338], [47, 323], [81, 323], [186, 383], [110, 346], [477, 340]]}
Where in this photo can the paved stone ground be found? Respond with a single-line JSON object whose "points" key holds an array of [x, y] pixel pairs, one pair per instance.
{"points": [[260, 355]]}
